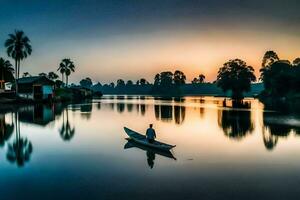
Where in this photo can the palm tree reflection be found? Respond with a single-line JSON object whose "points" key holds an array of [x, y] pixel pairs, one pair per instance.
{"points": [[20, 150], [66, 131]]}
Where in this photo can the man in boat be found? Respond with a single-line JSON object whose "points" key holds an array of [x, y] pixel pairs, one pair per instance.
{"points": [[150, 133]]}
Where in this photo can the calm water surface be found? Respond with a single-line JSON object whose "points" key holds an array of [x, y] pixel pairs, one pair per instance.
{"points": [[79, 151]]}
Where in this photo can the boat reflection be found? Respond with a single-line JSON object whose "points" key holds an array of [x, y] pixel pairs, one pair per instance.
{"points": [[150, 152]]}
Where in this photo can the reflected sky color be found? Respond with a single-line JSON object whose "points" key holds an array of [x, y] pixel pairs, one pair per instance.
{"points": [[219, 150], [132, 39]]}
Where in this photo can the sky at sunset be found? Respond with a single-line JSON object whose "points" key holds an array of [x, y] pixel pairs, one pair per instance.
{"points": [[130, 39]]}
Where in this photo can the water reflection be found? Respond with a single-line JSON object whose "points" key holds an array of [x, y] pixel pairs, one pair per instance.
{"points": [[277, 125], [19, 151], [86, 110], [236, 124], [214, 114], [150, 152], [37, 114], [6, 130], [66, 131]]}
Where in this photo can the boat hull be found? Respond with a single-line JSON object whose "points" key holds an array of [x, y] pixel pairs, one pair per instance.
{"points": [[141, 139]]}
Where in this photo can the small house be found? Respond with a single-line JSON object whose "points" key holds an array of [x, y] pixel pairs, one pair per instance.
{"points": [[36, 88]]}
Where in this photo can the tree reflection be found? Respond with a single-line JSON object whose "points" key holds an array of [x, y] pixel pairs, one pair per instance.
{"points": [[273, 122], [66, 132], [143, 109], [86, 110], [270, 141], [120, 107], [6, 130], [179, 114], [202, 112], [129, 107], [165, 113], [236, 124], [20, 150], [274, 128]]}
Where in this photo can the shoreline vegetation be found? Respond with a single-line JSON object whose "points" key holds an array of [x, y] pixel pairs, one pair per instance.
{"points": [[278, 87]]}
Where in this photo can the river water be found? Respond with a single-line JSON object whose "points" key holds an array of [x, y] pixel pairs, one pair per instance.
{"points": [[79, 151]]}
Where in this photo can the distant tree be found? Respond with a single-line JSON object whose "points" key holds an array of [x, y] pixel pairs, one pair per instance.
{"points": [[26, 74], [157, 79], [201, 78], [6, 71], [198, 80], [235, 75], [52, 76], [120, 83], [42, 74], [179, 77], [87, 82], [143, 81], [166, 79], [66, 67], [18, 47], [195, 81], [137, 82], [129, 83], [112, 85]]}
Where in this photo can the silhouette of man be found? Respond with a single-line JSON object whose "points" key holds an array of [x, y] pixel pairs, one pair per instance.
{"points": [[150, 133]]}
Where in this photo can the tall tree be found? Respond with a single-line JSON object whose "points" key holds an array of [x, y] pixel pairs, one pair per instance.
{"points": [[235, 75], [277, 78], [18, 47], [66, 67], [6, 71]]}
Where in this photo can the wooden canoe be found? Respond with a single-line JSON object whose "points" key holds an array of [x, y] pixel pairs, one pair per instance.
{"points": [[141, 139]]}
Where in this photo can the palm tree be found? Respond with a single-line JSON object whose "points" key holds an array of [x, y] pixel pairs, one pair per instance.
{"points": [[6, 71], [66, 67], [18, 47]]}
